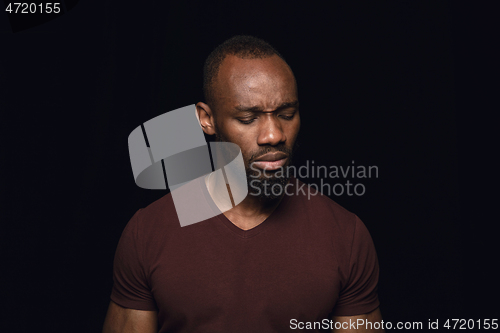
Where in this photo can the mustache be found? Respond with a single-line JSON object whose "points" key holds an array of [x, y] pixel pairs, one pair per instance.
{"points": [[281, 148]]}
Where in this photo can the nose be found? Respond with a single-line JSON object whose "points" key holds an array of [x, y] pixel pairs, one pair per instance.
{"points": [[271, 132]]}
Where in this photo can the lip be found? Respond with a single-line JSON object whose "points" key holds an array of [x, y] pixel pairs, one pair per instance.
{"points": [[271, 161], [275, 156], [270, 165]]}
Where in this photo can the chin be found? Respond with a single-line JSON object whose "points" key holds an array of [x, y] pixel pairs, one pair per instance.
{"points": [[266, 188]]}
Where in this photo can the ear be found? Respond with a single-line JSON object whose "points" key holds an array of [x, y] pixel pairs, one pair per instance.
{"points": [[205, 115]]}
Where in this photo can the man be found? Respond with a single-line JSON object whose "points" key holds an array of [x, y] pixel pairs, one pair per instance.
{"points": [[274, 262]]}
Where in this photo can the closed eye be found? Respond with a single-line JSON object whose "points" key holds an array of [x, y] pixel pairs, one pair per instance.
{"points": [[287, 117], [249, 121], [246, 122]]}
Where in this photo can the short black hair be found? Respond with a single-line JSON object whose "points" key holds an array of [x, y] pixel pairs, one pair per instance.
{"points": [[242, 46]]}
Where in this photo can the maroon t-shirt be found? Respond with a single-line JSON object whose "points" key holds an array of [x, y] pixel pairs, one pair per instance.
{"points": [[309, 260]]}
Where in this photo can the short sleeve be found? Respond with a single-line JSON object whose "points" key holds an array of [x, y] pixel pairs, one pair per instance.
{"points": [[130, 286], [359, 294]]}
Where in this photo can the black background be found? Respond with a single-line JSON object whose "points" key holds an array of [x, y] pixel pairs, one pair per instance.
{"points": [[378, 84]]}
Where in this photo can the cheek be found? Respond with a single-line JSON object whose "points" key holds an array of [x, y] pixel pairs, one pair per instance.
{"points": [[237, 133], [240, 136]]}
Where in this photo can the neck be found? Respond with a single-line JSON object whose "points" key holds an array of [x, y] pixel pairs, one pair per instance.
{"points": [[247, 214]]}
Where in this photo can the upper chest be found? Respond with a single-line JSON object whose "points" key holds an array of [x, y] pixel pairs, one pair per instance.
{"points": [[280, 274]]}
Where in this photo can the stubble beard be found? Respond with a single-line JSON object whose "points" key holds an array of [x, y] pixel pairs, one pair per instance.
{"points": [[266, 185]]}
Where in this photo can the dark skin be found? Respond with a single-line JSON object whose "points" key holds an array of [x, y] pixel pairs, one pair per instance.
{"points": [[268, 86]]}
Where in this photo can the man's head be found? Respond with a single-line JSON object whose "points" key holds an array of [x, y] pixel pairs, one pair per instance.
{"points": [[251, 100]]}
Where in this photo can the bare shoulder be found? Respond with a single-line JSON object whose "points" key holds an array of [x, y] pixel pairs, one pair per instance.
{"points": [[124, 320]]}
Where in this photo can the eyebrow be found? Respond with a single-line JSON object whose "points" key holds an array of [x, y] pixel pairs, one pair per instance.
{"points": [[241, 108]]}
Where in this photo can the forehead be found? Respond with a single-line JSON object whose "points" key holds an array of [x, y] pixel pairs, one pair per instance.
{"points": [[266, 82]]}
